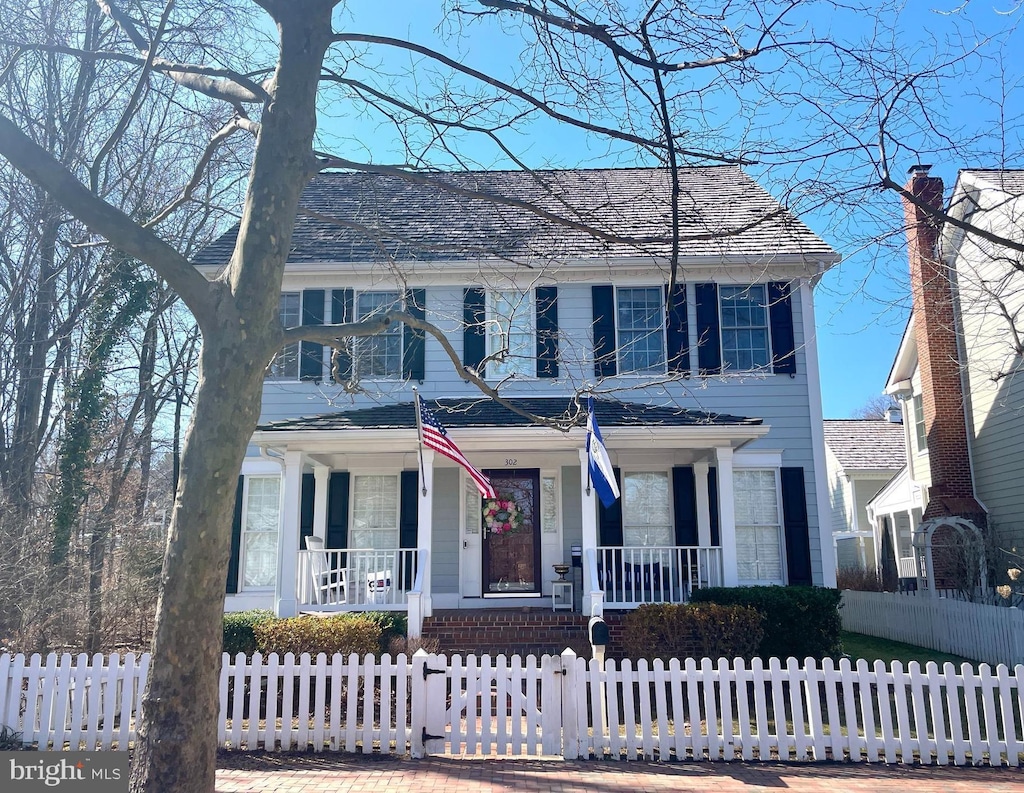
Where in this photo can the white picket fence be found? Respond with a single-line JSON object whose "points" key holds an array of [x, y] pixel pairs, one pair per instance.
{"points": [[994, 634], [555, 706]]}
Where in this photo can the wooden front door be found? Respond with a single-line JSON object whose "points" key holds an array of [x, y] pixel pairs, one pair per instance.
{"points": [[511, 534]]}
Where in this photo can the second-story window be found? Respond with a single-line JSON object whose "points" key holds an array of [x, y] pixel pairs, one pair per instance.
{"points": [[378, 357], [511, 334], [920, 436], [641, 330], [745, 341], [285, 365]]}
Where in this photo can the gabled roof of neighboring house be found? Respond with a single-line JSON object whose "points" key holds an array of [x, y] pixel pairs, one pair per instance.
{"points": [[365, 217], [866, 444], [485, 412], [1008, 181]]}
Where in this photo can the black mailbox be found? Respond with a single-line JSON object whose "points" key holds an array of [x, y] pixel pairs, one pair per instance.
{"points": [[576, 555], [598, 632]]}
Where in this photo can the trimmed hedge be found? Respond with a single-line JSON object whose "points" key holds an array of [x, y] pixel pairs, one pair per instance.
{"points": [[666, 631], [800, 621], [238, 630], [344, 633]]}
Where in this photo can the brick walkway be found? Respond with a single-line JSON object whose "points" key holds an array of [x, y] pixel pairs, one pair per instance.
{"points": [[347, 774]]}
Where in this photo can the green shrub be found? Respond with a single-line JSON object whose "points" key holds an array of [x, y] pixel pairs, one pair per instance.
{"points": [[800, 621], [667, 631], [238, 630], [393, 625], [343, 633]]}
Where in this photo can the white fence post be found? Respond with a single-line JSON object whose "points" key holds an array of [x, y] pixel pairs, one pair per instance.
{"points": [[570, 736]]}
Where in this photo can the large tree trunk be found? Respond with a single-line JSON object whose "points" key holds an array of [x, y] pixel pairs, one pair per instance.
{"points": [[177, 742]]}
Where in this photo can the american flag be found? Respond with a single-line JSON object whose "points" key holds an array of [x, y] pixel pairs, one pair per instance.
{"points": [[435, 437]]}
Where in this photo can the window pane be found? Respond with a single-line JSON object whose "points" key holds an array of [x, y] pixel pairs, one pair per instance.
{"points": [[646, 518], [260, 530], [374, 512], [758, 526], [378, 357], [510, 334], [285, 365], [745, 343], [641, 333]]}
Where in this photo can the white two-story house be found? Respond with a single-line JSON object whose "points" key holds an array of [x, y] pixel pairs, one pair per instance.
{"points": [[553, 288]]}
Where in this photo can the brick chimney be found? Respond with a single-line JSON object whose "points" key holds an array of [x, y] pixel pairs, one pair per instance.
{"points": [[952, 489]]}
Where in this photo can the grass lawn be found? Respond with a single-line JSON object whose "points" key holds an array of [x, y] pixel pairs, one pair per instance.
{"points": [[870, 648]]}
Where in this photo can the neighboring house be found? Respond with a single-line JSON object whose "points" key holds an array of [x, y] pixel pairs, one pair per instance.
{"points": [[708, 398], [862, 456], [958, 372]]}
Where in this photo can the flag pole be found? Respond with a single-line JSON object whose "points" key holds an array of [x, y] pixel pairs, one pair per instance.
{"points": [[419, 438], [590, 413]]}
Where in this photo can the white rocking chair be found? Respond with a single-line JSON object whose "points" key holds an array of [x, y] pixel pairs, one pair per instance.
{"points": [[328, 587]]}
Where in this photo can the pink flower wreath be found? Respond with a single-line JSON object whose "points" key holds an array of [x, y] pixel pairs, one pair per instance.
{"points": [[502, 516]]}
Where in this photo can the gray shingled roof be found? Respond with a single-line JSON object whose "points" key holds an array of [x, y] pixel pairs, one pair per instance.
{"points": [[1011, 182], [866, 444], [360, 217], [487, 413]]}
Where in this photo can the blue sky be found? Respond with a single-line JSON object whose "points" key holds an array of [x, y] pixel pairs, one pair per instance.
{"points": [[861, 304]]}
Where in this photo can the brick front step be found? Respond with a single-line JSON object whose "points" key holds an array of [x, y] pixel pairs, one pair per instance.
{"points": [[507, 631]]}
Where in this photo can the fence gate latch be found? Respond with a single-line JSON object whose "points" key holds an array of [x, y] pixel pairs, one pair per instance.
{"points": [[428, 737]]}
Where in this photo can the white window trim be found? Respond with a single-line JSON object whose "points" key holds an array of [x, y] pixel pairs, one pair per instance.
{"points": [[394, 474], [490, 319], [268, 377], [663, 329], [783, 565], [758, 371], [397, 378], [247, 479], [625, 472]]}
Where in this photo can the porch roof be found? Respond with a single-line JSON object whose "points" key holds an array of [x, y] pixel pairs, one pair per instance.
{"points": [[483, 412]]}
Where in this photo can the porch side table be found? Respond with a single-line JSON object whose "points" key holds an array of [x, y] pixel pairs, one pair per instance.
{"points": [[561, 595]]}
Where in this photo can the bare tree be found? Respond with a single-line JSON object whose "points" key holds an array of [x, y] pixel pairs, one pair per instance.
{"points": [[640, 79]]}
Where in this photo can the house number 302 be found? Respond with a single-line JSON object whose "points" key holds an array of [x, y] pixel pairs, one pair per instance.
{"points": [[511, 461]]}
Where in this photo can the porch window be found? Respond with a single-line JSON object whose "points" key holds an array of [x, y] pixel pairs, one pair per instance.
{"points": [[745, 341], [260, 526], [920, 436], [511, 334], [285, 365], [646, 520], [378, 357], [375, 504], [641, 330], [758, 526]]}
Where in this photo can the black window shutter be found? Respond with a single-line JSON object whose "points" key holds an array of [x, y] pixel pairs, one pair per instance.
{"points": [[677, 330], [603, 300], [413, 354], [337, 510], [306, 509], [716, 534], [311, 359], [236, 539], [409, 517], [474, 333], [342, 311], [709, 337], [547, 331], [780, 312], [794, 511], [609, 519], [684, 502]]}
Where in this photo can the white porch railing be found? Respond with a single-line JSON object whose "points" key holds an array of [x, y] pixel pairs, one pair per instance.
{"points": [[629, 576], [907, 566], [356, 578]]}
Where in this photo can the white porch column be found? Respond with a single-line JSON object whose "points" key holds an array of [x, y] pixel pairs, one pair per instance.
{"points": [[425, 528], [727, 516], [588, 505], [700, 481], [285, 600], [321, 477]]}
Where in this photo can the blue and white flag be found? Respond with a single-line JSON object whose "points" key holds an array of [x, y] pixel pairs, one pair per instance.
{"points": [[601, 474]]}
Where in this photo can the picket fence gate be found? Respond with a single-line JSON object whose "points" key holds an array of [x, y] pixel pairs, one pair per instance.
{"points": [[553, 706]]}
